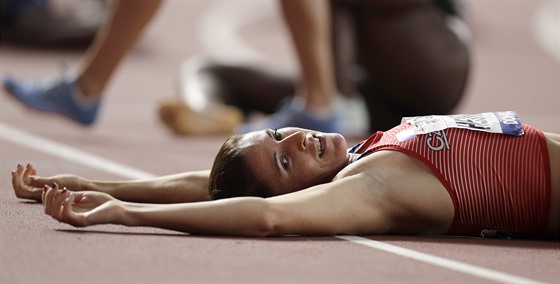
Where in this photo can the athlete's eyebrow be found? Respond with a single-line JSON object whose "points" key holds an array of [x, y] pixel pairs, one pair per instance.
{"points": [[274, 155]]}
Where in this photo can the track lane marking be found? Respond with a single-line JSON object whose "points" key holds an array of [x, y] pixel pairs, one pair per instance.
{"points": [[454, 265], [66, 152]]}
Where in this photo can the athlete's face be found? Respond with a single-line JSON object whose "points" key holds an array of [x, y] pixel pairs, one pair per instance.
{"points": [[291, 159]]}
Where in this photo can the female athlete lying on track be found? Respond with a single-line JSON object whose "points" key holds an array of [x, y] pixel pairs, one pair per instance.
{"points": [[294, 181]]}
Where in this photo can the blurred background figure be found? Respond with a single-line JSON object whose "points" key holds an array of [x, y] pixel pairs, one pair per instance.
{"points": [[77, 94], [403, 58], [59, 23]]}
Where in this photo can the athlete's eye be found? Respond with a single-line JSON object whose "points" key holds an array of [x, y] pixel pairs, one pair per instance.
{"points": [[285, 163], [277, 135]]}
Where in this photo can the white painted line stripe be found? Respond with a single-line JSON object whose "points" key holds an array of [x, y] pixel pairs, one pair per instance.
{"points": [[473, 270], [74, 155], [68, 153]]}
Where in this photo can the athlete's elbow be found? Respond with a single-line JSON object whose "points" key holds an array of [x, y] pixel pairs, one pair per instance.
{"points": [[277, 220], [259, 219], [268, 222]]}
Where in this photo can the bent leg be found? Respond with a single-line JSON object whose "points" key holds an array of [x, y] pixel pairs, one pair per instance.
{"points": [[267, 90], [413, 63], [251, 88], [215, 97]]}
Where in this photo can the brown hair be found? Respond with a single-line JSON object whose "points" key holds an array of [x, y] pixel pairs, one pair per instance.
{"points": [[230, 176]]}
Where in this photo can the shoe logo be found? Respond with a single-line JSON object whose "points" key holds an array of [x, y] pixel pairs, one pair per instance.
{"points": [[437, 141]]}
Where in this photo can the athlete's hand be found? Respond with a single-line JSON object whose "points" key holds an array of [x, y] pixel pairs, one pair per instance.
{"points": [[28, 185], [81, 209], [21, 188]]}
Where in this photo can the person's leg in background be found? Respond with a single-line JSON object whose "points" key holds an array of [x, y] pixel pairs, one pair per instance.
{"points": [[401, 56], [222, 95], [126, 23], [78, 94], [262, 89], [309, 23]]}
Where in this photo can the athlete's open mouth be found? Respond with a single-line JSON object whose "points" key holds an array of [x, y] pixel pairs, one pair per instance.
{"points": [[320, 144]]}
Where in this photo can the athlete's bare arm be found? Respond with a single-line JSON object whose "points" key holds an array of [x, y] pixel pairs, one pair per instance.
{"points": [[183, 187], [356, 202], [339, 207]]}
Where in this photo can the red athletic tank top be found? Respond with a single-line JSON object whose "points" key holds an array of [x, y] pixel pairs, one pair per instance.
{"points": [[497, 182]]}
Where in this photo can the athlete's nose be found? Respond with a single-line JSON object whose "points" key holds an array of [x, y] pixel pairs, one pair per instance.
{"points": [[297, 139]]}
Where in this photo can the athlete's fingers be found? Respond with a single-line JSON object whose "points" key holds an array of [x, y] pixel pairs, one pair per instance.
{"points": [[59, 197], [16, 181], [28, 170], [49, 197], [45, 198], [44, 195], [29, 177], [32, 170], [68, 215], [19, 169]]}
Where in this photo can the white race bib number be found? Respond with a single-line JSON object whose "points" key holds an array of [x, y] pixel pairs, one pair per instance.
{"points": [[505, 122]]}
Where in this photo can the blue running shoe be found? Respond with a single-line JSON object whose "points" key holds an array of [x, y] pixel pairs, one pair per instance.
{"points": [[294, 114], [60, 96]]}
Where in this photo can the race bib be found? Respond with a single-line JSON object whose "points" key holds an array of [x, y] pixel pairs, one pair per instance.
{"points": [[506, 122]]}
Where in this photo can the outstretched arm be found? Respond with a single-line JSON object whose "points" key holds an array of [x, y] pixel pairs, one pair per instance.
{"points": [[340, 207], [177, 188]]}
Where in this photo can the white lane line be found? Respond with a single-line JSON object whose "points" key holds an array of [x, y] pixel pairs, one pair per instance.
{"points": [[454, 265], [68, 153], [60, 150]]}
